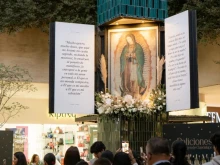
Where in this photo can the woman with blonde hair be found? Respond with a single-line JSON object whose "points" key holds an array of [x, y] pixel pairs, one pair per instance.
{"points": [[35, 160]]}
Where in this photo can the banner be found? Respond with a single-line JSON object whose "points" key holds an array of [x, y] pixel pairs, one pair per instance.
{"points": [[20, 139], [195, 136], [181, 62], [71, 84]]}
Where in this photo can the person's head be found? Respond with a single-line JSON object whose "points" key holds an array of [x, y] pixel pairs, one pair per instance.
{"points": [[179, 148], [19, 159], [102, 161], [82, 163], [157, 149], [97, 148], [121, 158], [72, 156], [108, 155], [179, 152], [215, 139], [49, 159], [130, 39], [35, 158]]}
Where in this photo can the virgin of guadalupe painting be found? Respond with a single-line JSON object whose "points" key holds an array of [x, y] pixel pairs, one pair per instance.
{"points": [[133, 58]]}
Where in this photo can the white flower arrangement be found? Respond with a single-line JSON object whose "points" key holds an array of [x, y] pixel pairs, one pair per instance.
{"points": [[107, 104], [158, 99]]}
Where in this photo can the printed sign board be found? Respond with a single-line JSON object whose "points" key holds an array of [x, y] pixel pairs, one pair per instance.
{"points": [[181, 62], [71, 82]]}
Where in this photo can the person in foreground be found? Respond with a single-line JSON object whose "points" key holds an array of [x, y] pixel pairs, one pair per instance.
{"points": [[158, 151], [97, 149], [50, 159], [179, 150], [19, 159], [102, 161], [122, 158], [35, 160], [72, 156], [215, 139], [108, 155], [82, 162]]}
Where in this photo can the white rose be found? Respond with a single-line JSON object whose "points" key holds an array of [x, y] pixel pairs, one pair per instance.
{"points": [[164, 103], [159, 98], [134, 109], [128, 99], [108, 101], [122, 109], [100, 110]]}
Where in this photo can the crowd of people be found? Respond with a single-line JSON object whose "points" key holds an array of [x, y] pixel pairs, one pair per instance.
{"points": [[157, 153]]}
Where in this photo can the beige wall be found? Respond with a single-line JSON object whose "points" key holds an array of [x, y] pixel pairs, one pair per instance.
{"points": [[28, 49], [209, 72], [38, 113]]}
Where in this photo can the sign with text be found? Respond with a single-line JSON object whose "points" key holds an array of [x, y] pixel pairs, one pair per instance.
{"points": [[71, 68], [181, 62], [195, 136]]}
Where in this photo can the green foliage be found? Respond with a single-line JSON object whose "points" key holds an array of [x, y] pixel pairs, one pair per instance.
{"points": [[17, 15], [208, 16], [13, 79]]}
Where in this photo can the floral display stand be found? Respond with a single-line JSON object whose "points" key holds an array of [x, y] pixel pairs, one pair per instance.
{"points": [[137, 131], [124, 119]]}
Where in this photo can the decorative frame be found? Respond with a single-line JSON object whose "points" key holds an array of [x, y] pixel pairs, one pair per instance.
{"points": [[147, 39]]}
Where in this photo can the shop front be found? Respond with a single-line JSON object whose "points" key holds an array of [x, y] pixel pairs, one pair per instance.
{"points": [[38, 132]]}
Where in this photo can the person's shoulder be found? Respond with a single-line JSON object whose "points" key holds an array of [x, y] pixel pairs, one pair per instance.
{"points": [[92, 161]]}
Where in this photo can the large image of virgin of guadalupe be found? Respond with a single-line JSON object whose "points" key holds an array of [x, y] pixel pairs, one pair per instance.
{"points": [[132, 57], [131, 68]]}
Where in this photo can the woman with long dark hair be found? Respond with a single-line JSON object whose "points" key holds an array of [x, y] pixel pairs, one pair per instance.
{"points": [[179, 150], [72, 156], [19, 159]]}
